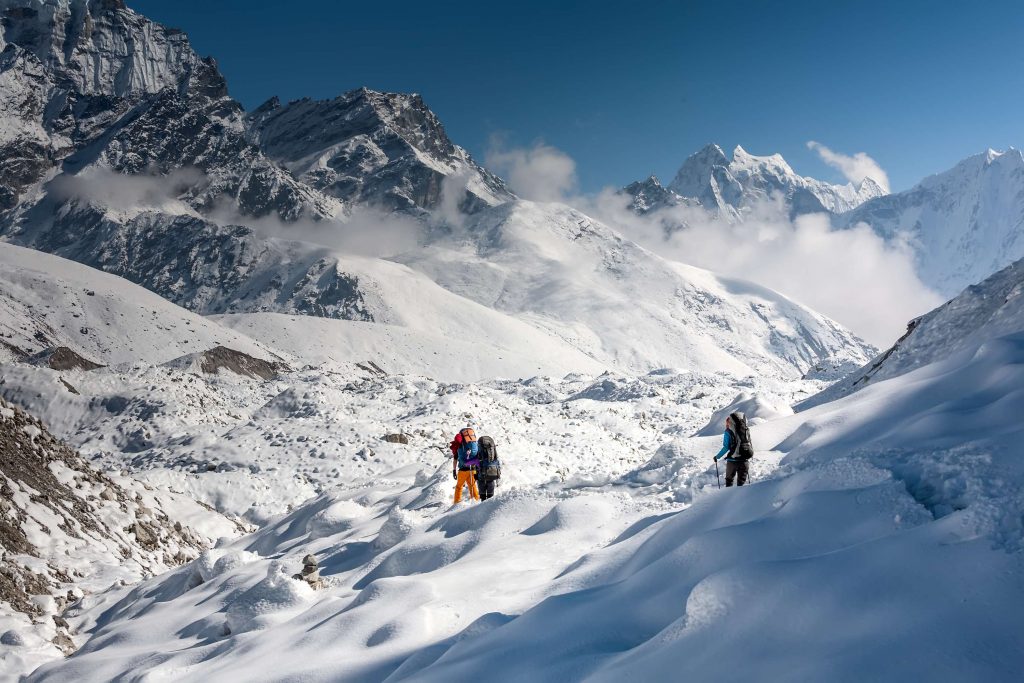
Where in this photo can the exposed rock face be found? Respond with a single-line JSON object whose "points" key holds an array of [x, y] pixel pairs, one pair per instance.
{"points": [[198, 264], [93, 83], [221, 358], [370, 147], [63, 358], [49, 493], [650, 195]]}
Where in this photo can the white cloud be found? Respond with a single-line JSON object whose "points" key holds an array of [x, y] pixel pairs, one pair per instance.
{"points": [[541, 172], [854, 168], [852, 275], [130, 194]]}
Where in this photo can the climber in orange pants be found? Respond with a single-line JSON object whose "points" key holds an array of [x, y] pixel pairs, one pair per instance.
{"points": [[465, 460], [466, 478]]}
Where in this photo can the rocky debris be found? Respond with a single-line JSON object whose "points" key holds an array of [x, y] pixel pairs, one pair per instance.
{"points": [[372, 368], [146, 538], [48, 489], [223, 358], [310, 572], [63, 358], [397, 438]]}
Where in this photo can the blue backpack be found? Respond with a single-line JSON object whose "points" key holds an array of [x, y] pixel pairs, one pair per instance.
{"points": [[469, 451]]}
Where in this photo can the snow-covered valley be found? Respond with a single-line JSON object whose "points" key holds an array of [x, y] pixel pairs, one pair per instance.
{"points": [[234, 347], [609, 551]]}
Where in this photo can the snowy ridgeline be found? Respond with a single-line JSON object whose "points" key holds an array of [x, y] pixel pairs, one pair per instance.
{"points": [[991, 308], [887, 546]]}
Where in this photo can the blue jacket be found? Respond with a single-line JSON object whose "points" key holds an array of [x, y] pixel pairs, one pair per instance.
{"points": [[469, 455], [726, 446]]}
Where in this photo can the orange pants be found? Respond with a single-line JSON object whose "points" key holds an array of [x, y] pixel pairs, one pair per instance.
{"points": [[466, 478]]}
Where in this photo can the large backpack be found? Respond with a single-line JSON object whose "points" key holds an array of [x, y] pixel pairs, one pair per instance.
{"points": [[470, 449], [490, 467], [745, 449]]}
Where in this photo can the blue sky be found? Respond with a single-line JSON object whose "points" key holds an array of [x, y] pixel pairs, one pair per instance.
{"points": [[628, 89]]}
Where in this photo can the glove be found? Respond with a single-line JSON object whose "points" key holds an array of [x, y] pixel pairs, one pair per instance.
{"points": [[455, 475], [717, 457]]}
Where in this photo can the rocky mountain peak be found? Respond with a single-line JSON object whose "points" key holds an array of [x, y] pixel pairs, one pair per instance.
{"points": [[104, 48], [365, 146], [732, 186]]}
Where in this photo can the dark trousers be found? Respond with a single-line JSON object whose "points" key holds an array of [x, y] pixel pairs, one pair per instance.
{"points": [[485, 487], [733, 468]]}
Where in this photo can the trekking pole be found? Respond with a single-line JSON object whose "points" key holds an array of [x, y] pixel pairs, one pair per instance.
{"points": [[717, 475]]}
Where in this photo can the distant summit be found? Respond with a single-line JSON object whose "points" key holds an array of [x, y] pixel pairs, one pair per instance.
{"points": [[731, 187]]}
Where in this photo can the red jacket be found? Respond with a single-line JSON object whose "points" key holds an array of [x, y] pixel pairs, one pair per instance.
{"points": [[455, 444]]}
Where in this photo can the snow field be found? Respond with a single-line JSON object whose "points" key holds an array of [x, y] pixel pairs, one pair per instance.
{"points": [[252, 449], [887, 545]]}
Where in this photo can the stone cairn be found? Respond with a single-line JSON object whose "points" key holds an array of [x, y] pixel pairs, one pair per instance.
{"points": [[310, 572]]}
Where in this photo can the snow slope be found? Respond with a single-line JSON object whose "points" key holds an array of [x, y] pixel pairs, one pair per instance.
{"points": [[503, 348], [47, 301], [988, 309], [963, 224], [581, 281], [883, 548]]}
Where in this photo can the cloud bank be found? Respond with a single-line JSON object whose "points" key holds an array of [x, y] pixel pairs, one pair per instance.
{"points": [[362, 232], [854, 168], [540, 172], [853, 276]]}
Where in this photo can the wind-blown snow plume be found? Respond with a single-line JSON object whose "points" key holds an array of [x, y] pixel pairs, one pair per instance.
{"points": [[541, 172], [854, 168]]}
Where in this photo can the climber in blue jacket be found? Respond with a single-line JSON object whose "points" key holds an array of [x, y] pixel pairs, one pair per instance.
{"points": [[735, 462]]}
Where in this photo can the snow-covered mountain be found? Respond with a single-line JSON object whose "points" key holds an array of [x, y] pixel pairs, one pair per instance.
{"points": [[733, 186], [93, 84], [963, 224], [164, 181], [989, 309], [579, 280]]}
